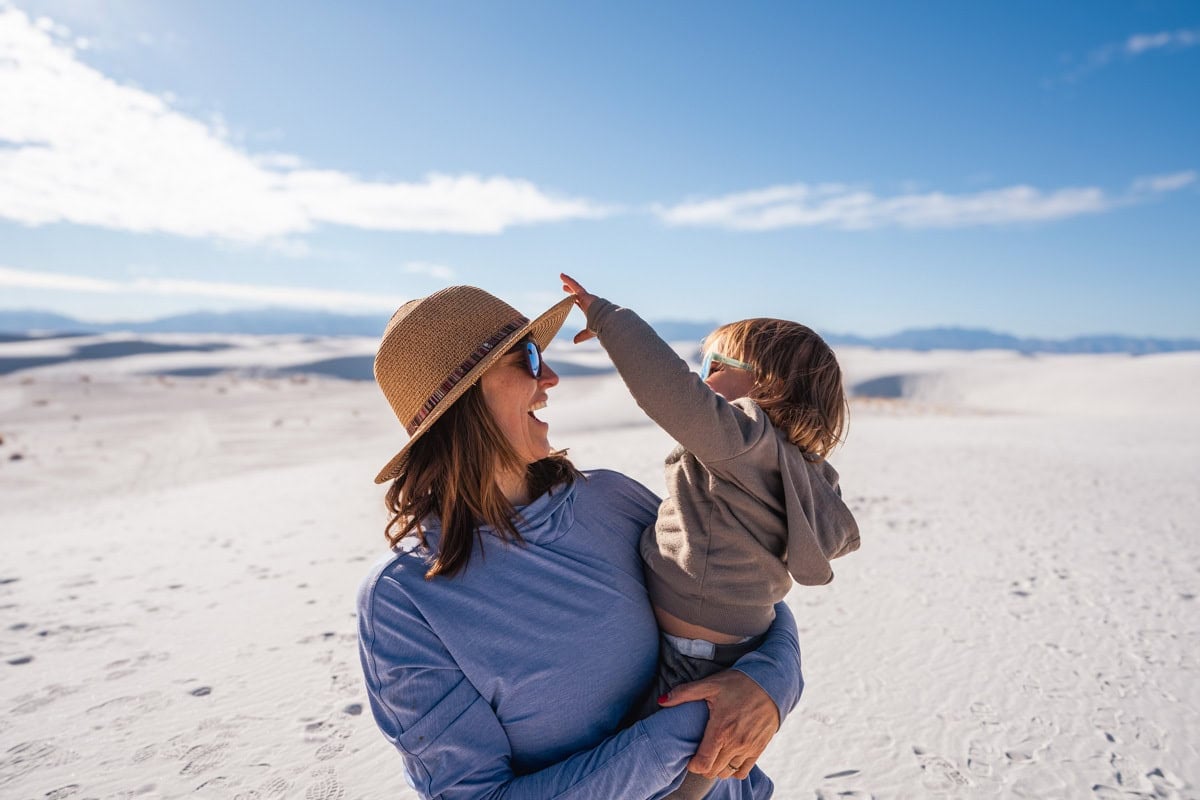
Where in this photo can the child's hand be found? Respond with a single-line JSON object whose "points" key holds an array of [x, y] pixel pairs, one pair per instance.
{"points": [[582, 299], [581, 296]]}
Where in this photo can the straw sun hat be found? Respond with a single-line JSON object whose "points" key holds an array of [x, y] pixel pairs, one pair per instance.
{"points": [[436, 348]]}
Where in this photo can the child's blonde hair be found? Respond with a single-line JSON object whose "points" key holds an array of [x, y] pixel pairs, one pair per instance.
{"points": [[797, 380]]}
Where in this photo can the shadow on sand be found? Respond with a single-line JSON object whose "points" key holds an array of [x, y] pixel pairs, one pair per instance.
{"points": [[886, 387], [103, 350]]}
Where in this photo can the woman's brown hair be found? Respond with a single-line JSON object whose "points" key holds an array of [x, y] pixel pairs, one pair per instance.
{"points": [[797, 380], [450, 474]]}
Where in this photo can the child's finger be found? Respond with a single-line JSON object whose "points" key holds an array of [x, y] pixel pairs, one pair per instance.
{"points": [[583, 336], [571, 285]]}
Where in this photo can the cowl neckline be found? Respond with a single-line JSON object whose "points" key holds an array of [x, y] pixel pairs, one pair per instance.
{"points": [[541, 522]]}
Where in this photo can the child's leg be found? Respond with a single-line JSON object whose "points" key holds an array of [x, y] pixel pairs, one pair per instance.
{"points": [[701, 660]]}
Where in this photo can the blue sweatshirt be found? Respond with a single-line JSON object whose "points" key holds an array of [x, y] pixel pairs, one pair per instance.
{"points": [[510, 679]]}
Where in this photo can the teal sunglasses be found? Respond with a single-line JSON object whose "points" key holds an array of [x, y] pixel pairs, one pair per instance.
{"points": [[713, 356]]}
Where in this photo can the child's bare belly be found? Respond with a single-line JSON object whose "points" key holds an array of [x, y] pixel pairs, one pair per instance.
{"points": [[673, 625]]}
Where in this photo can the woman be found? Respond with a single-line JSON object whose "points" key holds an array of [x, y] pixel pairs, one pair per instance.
{"points": [[509, 634]]}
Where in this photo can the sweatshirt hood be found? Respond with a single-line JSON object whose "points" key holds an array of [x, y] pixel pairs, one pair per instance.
{"points": [[820, 525]]}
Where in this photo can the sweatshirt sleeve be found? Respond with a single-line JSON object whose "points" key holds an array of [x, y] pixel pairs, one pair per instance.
{"points": [[454, 746], [775, 665], [665, 387]]}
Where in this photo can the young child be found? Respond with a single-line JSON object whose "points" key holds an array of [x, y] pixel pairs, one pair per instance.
{"points": [[752, 503]]}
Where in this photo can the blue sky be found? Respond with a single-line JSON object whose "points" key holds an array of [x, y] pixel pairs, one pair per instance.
{"points": [[1022, 166]]}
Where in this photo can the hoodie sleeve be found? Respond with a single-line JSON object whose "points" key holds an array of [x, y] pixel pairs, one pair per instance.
{"points": [[665, 387], [454, 746]]}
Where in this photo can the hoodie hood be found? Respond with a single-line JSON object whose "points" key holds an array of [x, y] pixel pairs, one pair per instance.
{"points": [[820, 525]]}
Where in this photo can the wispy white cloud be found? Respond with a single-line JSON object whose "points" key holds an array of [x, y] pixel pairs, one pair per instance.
{"points": [[1141, 42], [802, 205], [78, 147], [1165, 183], [289, 296], [1134, 46], [27, 279], [438, 271]]}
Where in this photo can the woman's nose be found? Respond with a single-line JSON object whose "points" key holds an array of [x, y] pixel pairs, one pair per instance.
{"points": [[549, 376]]}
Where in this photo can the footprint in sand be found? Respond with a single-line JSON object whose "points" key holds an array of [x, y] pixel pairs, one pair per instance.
{"points": [[324, 731], [326, 786], [124, 713], [346, 679], [274, 787], [1106, 720], [1166, 783], [203, 757], [1037, 785], [28, 757], [143, 754], [175, 747], [32, 702], [984, 713], [939, 774], [824, 719], [219, 782], [1129, 774], [979, 758], [150, 701], [1026, 752], [1149, 734], [329, 750], [125, 666]]}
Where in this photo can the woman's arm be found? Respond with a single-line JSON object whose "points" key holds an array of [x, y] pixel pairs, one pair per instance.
{"points": [[775, 665], [743, 719], [453, 745]]}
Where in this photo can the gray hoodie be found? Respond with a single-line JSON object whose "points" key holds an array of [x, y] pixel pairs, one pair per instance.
{"points": [[746, 512]]}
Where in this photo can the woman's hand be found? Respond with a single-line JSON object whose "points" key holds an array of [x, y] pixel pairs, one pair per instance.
{"points": [[742, 718], [582, 299]]}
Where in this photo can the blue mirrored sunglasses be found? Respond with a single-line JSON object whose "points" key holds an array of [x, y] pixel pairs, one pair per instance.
{"points": [[711, 356], [533, 357]]}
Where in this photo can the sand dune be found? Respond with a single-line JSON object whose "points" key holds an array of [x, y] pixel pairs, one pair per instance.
{"points": [[181, 554]]}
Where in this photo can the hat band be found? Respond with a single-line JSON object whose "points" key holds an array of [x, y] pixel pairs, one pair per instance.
{"points": [[461, 371]]}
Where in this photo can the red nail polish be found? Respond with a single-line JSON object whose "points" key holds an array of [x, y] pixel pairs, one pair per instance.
{"points": [[662, 698]]}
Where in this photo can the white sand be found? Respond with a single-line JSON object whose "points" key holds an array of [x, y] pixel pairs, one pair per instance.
{"points": [[180, 560]]}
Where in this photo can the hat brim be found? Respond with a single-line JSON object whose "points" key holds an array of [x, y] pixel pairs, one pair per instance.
{"points": [[542, 329]]}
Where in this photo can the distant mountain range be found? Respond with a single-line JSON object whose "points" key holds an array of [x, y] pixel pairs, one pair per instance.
{"points": [[24, 324], [267, 321]]}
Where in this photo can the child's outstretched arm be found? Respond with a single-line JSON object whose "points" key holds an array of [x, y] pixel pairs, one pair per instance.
{"points": [[663, 384]]}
